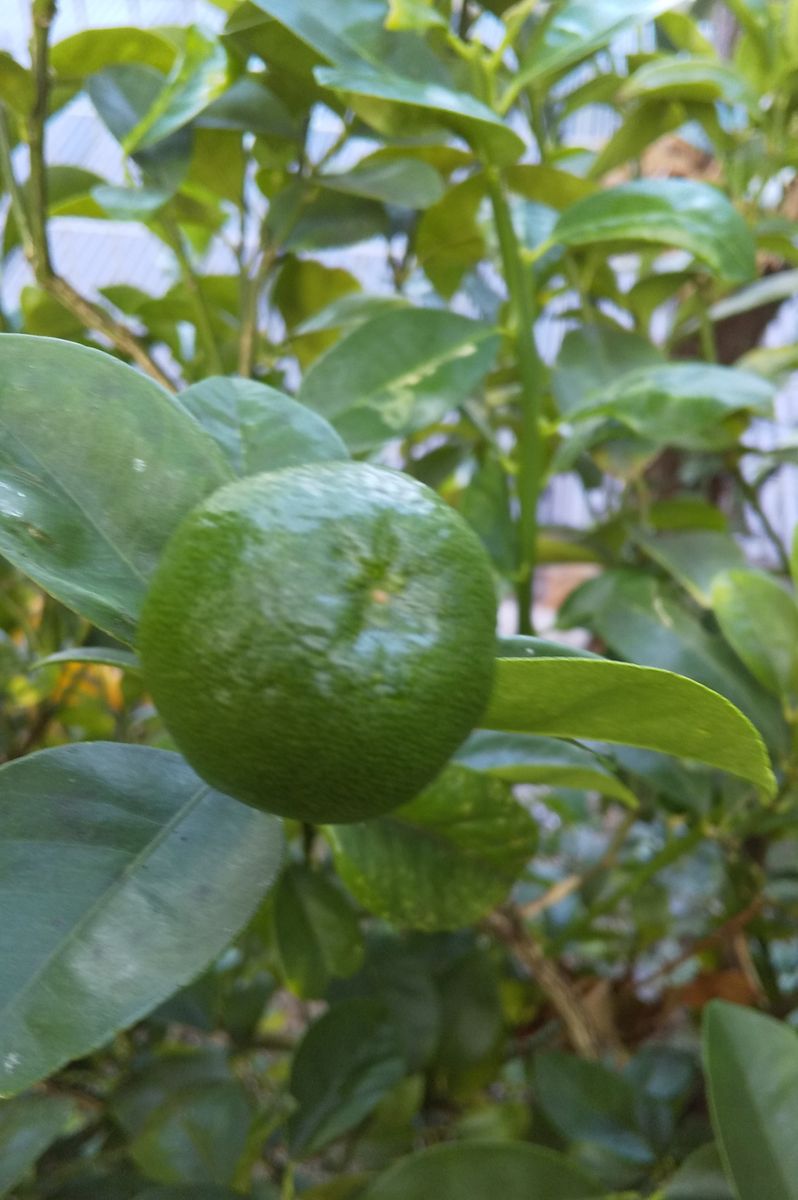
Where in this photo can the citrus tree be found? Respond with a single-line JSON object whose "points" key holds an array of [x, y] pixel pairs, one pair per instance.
{"points": [[310, 884]]}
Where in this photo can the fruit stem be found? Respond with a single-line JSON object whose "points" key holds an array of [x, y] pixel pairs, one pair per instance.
{"points": [[522, 313]]}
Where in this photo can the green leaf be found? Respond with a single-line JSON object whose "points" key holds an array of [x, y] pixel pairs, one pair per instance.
{"points": [[465, 828], [547, 185], [105, 655], [250, 107], [696, 406], [514, 1171], [69, 194], [695, 558], [315, 219], [259, 428], [487, 506], [149, 875], [592, 358], [397, 373], [198, 1135], [345, 1064], [28, 1126], [524, 758], [448, 239], [316, 931], [700, 1177], [759, 620], [460, 111], [350, 33], [305, 289], [588, 1102], [645, 621], [700, 79], [751, 1064], [98, 464], [520, 646], [669, 212], [634, 706], [198, 77], [577, 29], [94, 50], [404, 181]]}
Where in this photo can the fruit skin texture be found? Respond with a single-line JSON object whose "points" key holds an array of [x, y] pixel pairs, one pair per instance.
{"points": [[320, 639]]}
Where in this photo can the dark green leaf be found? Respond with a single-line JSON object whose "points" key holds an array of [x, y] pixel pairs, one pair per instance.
{"points": [[250, 107], [759, 620], [448, 237], [524, 758], [587, 1102], [634, 706], [397, 373], [316, 931], [28, 1126], [687, 78], [751, 1062], [345, 1064], [259, 428], [593, 358], [462, 1172], [669, 212], [465, 828], [97, 467], [700, 1177], [149, 874], [199, 1135]]}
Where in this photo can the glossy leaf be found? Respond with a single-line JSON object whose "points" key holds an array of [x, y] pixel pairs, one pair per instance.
{"points": [[634, 706], [524, 758], [198, 77], [695, 558], [759, 620], [397, 373], [646, 622], [250, 107], [448, 238], [460, 111], [593, 358], [98, 464], [345, 1064], [679, 213], [150, 874], [259, 428], [464, 828], [751, 1063], [404, 181], [514, 1171], [28, 1127], [352, 32], [316, 931]]}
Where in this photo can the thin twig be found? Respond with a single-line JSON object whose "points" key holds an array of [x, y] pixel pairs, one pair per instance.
{"points": [[583, 1032], [572, 883], [202, 312], [32, 219], [249, 312]]}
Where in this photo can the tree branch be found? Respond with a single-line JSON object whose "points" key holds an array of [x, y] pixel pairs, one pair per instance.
{"points": [[32, 218]]}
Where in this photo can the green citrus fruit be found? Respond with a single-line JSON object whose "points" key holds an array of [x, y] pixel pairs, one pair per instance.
{"points": [[320, 639]]}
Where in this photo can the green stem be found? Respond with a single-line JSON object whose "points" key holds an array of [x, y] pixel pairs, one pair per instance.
{"points": [[530, 450], [202, 313], [751, 497]]}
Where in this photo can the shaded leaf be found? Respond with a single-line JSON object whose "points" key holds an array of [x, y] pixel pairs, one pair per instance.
{"points": [[700, 1177], [106, 655], [150, 874], [634, 706], [94, 50], [695, 558], [347, 1061], [404, 181], [704, 80], [198, 1135], [759, 620], [514, 1171], [28, 1126], [316, 931], [464, 828]]}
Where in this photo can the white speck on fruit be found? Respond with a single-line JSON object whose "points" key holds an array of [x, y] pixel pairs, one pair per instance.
{"points": [[139, 464], [11, 1062]]}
